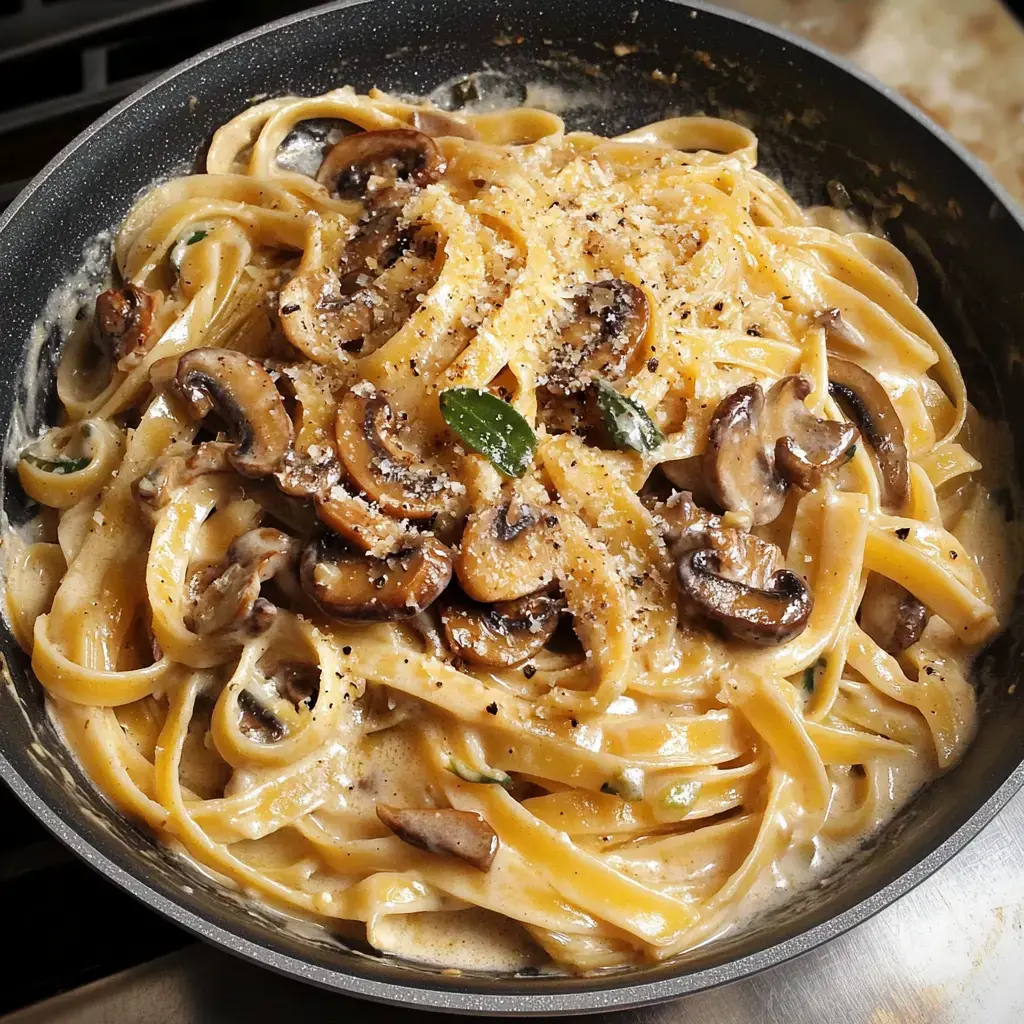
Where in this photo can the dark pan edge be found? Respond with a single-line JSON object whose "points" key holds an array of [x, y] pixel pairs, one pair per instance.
{"points": [[438, 994]]}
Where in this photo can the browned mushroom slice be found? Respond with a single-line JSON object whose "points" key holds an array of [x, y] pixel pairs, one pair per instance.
{"points": [[317, 318], [230, 597], [738, 469], [508, 552], [757, 615], [757, 445], [806, 448], [839, 331], [124, 323], [602, 338], [244, 396], [891, 615], [362, 524], [504, 634], [379, 466], [399, 154], [172, 472], [305, 475], [462, 834], [440, 124], [353, 586], [869, 406]]}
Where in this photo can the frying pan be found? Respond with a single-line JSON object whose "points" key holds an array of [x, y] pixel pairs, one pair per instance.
{"points": [[616, 64]]}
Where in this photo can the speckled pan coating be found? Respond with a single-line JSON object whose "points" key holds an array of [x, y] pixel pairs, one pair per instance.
{"points": [[818, 119]]}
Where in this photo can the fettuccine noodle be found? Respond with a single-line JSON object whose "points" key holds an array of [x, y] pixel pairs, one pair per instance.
{"points": [[585, 491]]}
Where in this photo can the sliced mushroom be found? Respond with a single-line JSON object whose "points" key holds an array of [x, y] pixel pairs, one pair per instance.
{"points": [[891, 615], [463, 834], [362, 524], [350, 585], [602, 338], [869, 406], [758, 445], [124, 323], [317, 318], [757, 615], [379, 466], [308, 475], [742, 556], [231, 594], [399, 154], [244, 396], [264, 716], [504, 634], [806, 448], [839, 331], [170, 473], [508, 552]]}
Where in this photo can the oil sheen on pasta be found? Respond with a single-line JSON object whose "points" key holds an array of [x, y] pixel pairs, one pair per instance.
{"points": [[662, 778]]}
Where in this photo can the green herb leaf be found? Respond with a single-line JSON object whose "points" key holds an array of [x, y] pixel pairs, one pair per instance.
{"points": [[196, 236], [811, 674], [626, 421], [627, 783], [491, 427], [681, 796], [62, 467], [487, 775]]}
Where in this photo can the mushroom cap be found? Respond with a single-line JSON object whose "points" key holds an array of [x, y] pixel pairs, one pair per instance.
{"points": [[869, 405], [601, 340], [356, 587], [397, 154], [462, 834], [501, 635], [738, 469], [319, 320], [759, 444], [362, 524], [244, 396], [376, 463], [124, 322], [891, 615], [508, 552], [768, 615]]}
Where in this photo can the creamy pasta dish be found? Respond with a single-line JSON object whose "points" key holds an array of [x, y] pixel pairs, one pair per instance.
{"points": [[511, 545]]}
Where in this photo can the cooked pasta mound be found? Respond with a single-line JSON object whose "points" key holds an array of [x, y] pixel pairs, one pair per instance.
{"points": [[490, 531]]}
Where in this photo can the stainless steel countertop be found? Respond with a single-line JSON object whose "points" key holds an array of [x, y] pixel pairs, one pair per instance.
{"points": [[949, 952]]}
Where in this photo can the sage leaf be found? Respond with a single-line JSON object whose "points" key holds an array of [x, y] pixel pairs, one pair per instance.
{"points": [[627, 422], [491, 427]]}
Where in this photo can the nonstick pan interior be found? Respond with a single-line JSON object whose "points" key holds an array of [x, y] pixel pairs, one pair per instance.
{"points": [[816, 122]]}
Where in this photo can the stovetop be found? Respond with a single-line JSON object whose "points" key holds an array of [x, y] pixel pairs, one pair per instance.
{"points": [[949, 952]]}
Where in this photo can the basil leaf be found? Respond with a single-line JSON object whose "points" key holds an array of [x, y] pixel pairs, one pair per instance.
{"points": [[489, 775], [626, 421], [197, 236], [62, 467], [491, 427]]}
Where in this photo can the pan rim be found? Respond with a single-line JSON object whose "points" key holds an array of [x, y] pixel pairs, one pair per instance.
{"points": [[436, 992]]}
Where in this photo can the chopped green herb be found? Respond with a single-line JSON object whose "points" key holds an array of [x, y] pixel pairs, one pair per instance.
{"points": [[626, 421], [196, 236], [491, 427], [681, 796], [62, 467], [627, 783], [811, 674], [850, 452], [487, 775]]}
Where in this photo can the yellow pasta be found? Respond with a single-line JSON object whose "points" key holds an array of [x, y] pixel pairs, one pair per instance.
{"points": [[504, 526]]}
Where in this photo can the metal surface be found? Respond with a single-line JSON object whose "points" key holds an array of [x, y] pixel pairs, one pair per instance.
{"points": [[950, 952], [817, 119]]}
